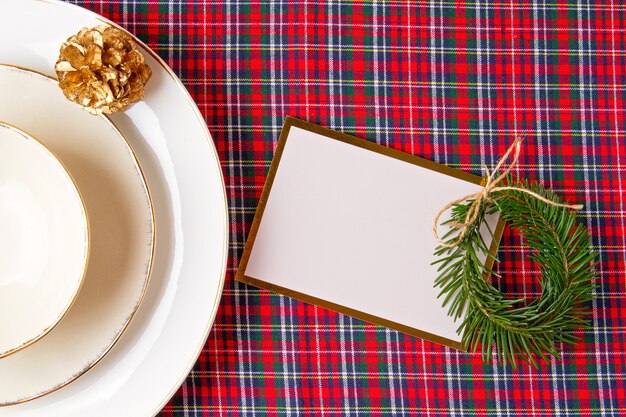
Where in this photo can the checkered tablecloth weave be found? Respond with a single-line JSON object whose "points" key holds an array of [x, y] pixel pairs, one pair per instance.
{"points": [[449, 81]]}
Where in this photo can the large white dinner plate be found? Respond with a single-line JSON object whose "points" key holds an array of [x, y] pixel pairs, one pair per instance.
{"points": [[181, 166]]}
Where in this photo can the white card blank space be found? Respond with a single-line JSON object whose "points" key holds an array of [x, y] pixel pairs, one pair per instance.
{"points": [[353, 227]]}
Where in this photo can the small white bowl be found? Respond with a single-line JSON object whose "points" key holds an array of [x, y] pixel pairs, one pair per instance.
{"points": [[44, 240]]}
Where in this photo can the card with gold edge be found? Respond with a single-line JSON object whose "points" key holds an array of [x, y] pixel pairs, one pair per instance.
{"points": [[346, 224]]}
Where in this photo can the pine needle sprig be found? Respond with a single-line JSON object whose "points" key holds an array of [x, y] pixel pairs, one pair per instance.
{"points": [[519, 328]]}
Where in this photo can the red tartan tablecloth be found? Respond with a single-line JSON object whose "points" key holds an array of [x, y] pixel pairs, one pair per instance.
{"points": [[449, 81]]}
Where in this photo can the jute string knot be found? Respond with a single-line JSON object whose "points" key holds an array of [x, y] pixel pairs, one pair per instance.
{"points": [[484, 196]]}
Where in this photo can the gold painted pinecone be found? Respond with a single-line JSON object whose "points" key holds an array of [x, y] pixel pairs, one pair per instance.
{"points": [[101, 70]]}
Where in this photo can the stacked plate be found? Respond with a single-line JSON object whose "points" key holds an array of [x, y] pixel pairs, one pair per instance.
{"points": [[98, 316], [44, 240]]}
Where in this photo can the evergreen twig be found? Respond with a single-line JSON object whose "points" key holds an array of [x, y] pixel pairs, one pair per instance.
{"points": [[519, 328]]}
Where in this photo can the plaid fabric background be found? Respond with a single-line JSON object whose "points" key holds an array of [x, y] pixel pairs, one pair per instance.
{"points": [[449, 81]]}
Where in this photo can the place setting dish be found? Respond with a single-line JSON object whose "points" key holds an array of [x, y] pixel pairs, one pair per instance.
{"points": [[119, 209], [141, 260], [44, 243]]}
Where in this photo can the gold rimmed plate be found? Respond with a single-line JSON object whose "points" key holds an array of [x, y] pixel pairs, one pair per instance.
{"points": [[119, 207], [44, 240], [183, 172]]}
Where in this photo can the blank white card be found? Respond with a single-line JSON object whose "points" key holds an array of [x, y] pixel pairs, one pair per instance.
{"points": [[347, 224]]}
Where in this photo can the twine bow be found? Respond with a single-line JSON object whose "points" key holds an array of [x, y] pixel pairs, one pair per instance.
{"points": [[483, 196]]}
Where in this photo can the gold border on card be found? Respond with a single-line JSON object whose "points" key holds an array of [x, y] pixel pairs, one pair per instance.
{"points": [[374, 147]]}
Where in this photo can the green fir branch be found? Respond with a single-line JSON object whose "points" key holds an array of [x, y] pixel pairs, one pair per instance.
{"points": [[519, 328]]}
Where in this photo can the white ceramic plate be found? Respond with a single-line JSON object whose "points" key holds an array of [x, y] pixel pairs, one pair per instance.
{"points": [[44, 240], [148, 364], [122, 235]]}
